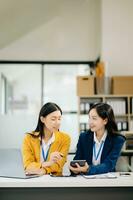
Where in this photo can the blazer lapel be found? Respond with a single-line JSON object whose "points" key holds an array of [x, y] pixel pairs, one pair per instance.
{"points": [[106, 147], [55, 145], [89, 147]]}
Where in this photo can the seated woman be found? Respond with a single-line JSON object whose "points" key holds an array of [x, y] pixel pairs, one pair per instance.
{"points": [[101, 145], [45, 149]]}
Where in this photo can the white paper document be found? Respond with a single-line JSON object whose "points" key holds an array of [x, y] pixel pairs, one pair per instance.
{"points": [[98, 176]]}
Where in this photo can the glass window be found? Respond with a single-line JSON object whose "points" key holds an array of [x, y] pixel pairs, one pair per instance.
{"points": [[60, 87], [20, 88], [3, 94]]}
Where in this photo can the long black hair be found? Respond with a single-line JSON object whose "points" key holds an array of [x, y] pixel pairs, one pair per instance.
{"points": [[105, 111], [45, 110]]}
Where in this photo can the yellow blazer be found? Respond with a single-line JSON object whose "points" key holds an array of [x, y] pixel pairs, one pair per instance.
{"points": [[31, 149]]}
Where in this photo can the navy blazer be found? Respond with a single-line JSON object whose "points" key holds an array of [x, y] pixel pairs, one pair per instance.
{"points": [[110, 153]]}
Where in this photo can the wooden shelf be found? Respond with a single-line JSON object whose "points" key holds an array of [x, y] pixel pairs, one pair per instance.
{"points": [[121, 104]]}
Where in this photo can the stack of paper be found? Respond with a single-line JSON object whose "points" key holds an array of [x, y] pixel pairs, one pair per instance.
{"points": [[106, 175]]}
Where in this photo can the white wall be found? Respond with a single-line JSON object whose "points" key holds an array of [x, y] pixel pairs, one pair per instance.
{"points": [[74, 34], [117, 36]]}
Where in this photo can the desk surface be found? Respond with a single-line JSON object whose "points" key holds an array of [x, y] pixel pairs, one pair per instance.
{"points": [[79, 181]]}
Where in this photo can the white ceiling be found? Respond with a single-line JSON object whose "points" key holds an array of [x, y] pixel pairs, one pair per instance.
{"points": [[18, 17]]}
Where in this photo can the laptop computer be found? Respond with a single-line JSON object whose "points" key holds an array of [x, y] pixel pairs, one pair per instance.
{"points": [[11, 164]]}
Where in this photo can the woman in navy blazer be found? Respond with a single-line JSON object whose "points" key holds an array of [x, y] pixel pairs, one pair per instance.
{"points": [[101, 145]]}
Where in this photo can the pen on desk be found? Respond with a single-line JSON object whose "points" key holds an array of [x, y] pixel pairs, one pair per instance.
{"points": [[125, 174]]}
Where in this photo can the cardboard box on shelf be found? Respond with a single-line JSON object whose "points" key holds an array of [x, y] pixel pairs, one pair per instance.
{"points": [[122, 85], [85, 85], [103, 85]]}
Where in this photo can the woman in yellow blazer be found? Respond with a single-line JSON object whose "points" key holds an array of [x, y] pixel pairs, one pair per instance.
{"points": [[45, 149]]}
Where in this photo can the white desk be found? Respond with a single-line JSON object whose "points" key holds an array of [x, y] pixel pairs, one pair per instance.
{"points": [[64, 188]]}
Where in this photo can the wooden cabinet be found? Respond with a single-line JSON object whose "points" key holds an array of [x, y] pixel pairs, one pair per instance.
{"points": [[121, 104]]}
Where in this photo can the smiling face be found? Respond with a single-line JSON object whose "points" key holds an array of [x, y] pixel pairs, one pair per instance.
{"points": [[52, 121], [96, 123]]}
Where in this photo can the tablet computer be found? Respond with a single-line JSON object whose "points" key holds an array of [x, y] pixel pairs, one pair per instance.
{"points": [[80, 162]]}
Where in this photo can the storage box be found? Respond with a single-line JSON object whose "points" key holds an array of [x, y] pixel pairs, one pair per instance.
{"points": [[103, 85], [85, 85], [122, 85]]}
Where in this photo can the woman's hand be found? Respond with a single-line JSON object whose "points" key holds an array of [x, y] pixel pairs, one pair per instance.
{"points": [[55, 156], [78, 169]]}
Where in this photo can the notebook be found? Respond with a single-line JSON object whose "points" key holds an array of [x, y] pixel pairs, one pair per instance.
{"points": [[11, 164]]}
